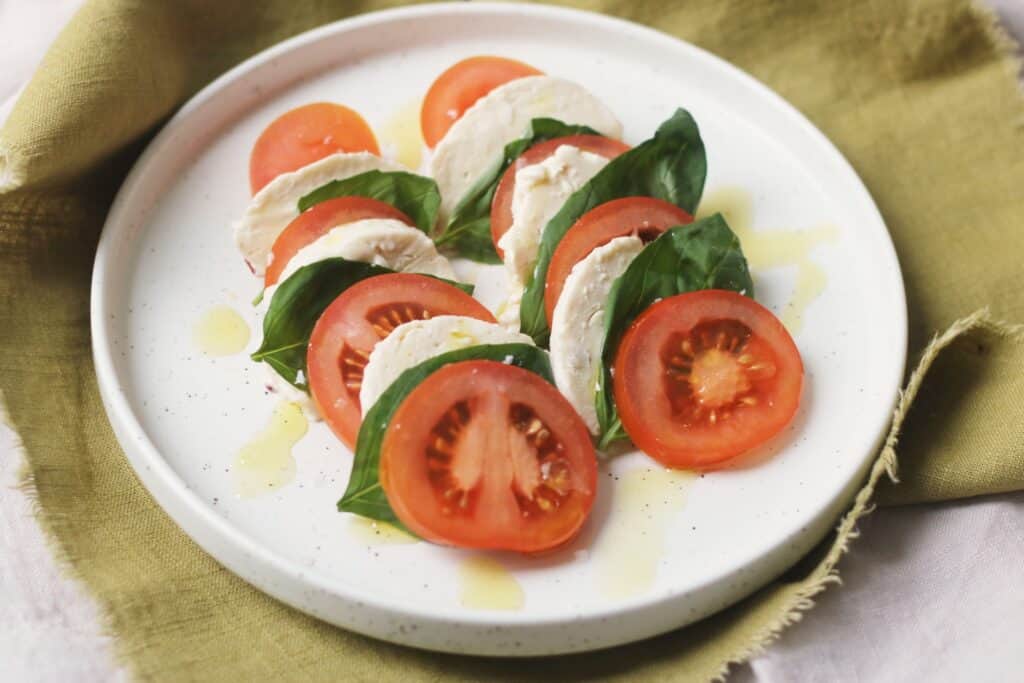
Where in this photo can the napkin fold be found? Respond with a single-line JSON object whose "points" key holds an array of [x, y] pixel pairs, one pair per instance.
{"points": [[921, 96]]}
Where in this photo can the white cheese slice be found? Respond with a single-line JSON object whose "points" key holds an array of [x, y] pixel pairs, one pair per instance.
{"points": [[276, 205], [381, 241], [477, 139], [415, 342], [577, 326], [540, 191]]}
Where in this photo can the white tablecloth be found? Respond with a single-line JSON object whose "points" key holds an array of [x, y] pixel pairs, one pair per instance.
{"points": [[929, 592]]}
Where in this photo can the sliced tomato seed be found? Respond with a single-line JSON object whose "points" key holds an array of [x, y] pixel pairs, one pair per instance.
{"points": [[713, 370], [539, 487], [383, 319], [352, 364]]}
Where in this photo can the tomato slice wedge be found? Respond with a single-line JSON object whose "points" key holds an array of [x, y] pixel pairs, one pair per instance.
{"points": [[351, 326], [645, 217], [320, 219], [501, 204], [304, 135], [460, 86], [705, 376], [487, 455]]}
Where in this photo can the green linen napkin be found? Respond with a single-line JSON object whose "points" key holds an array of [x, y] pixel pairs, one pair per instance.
{"points": [[920, 95]]}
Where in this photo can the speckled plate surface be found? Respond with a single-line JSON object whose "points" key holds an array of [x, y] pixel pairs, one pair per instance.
{"points": [[661, 549]]}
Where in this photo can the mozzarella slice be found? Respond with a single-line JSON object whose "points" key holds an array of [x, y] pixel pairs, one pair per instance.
{"points": [[477, 139], [577, 326], [381, 241], [415, 342], [276, 205], [540, 191]]}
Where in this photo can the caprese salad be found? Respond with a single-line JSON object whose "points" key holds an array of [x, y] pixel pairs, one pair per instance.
{"points": [[626, 319]]}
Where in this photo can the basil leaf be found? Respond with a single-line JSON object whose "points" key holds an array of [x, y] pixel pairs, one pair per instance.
{"points": [[705, 254], [468, 233], [414, 195], [670, 166], [298, 303], [364, 495]]}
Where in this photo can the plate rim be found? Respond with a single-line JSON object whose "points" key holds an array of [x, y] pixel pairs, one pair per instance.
{"points": [[187, 508]]}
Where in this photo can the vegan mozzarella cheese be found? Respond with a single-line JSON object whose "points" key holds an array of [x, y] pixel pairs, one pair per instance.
{"points": [[478, 138], [276, 205], [415, 342], [577, 326]]}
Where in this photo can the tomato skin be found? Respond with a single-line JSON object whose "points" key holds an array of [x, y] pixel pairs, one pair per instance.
{"points": [[676, 428], [460, 86], [501, 204], [351, 326], [320, 219], [497, 517], [304, 135], [644, 216]]}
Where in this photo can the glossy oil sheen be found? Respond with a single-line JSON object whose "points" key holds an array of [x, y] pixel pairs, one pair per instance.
{"points": [[266, 463], [487, 584], [221, 331]]}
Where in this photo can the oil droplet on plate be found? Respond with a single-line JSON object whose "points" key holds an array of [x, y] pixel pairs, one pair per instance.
{"points": [[266, 463], [372, 532], [775, 249], [221, 331], [401, 137], [630, 546], [486, 584]]}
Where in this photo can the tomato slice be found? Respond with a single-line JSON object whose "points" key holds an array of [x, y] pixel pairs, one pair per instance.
{"points": [[645, 217], [487, 455], [501, 205], [460, 86], [320, 219], [304, 135], [351, 326], [705, 376]]}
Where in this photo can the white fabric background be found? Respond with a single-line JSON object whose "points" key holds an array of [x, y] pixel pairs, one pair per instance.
{"points": [[929, 592]]}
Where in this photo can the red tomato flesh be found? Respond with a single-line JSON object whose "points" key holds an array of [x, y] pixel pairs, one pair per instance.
{"points": [[488, 455], [501, 204], [304, 135], [320, 219], [644, 217], [705, 376], [351, 326], [460, 86]]}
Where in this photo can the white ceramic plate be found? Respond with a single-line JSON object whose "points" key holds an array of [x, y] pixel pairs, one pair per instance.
{"points": [[657, 553]]}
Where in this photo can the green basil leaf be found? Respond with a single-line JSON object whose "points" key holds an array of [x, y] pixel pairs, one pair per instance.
{"points": [[298, 303], [468, 233], [364, 495], [705, 254], [414, 195], [670, 166]]}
